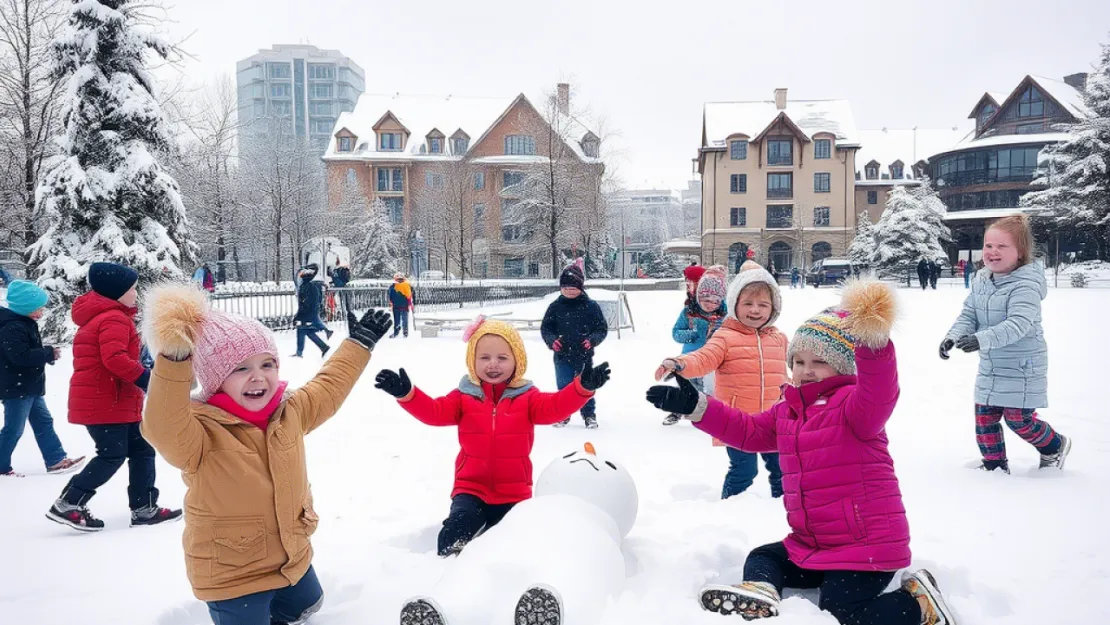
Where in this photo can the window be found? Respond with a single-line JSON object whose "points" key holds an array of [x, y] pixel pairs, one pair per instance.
{"points": [[821, 216], [479, 221], [780, 185], [985, 114], [280, 71], [321, 72], [987, 166], [590, 148], [320, 91], [872, 197], [780, 216], [395, 208], [281, 90], [259, 108], [460, 145], [533, 270], [321, 126], [738, 216], [520, 145], [1031, 103], [391, 179], [739, 183], [822, 148], [512, 233], [896, 172], [390, 141], [1010, 198], [1028, 129], [511, 179], [513, 268], [872, 172], [479, 180], [435, 145], [320, 108], [822, 182], [345, 144], [433, 180], [281, 107], [780, 152], [352, 177], [738, 150]]}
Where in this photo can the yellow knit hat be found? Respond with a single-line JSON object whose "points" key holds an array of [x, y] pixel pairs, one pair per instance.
{"points": [[481, 327]]}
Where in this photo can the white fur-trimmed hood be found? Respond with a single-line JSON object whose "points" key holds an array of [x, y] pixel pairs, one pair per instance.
{"points": [[751, 273]]}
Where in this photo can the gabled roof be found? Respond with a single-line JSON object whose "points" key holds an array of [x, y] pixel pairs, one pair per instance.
{"points": [[1068, 97], [785, 120], [720, 120], [993, 97]]}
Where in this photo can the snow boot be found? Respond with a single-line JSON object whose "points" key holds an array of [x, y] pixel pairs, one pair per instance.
{"points": [[422, 611], [153, 515], [562, 424], [591, 422], [1056, 460], [921, 584], [991, 465], [539, 605], [751, 600], [303, 618], [77, 517], [67, 465], [672, 419], [454, 549], [324, 352]]}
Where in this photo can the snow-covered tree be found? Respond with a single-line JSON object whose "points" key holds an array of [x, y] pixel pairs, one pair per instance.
{"points": [[861, 253], [1076, 172], [380, 253], [105, 197], [909, 230]]}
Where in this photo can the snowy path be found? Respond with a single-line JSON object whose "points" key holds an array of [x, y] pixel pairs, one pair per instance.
{"points": [[1021, 549]]}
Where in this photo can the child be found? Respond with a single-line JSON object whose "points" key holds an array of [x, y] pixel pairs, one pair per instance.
{"points": [[493, 471], [23, 360], [309, 297], [1001, 320], [106, 396], [700, 318], [400, 299], [748, 354], [573, 327], [693, 275], [849, 533], [240, 448]]}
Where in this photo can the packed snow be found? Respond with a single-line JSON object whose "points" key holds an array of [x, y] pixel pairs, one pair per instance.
{"points": [[1027, 548]]}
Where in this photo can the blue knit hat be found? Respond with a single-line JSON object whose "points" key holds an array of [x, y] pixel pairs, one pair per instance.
{"points": [[112, 280], [25, 297]]}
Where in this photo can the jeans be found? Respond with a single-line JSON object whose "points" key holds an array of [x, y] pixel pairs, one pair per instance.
{"points": [[114, 444], [742, 469], [283, 605], [469, 515], [17, 412], [310, 330], [400, 321], [565, 373], [853, 597]]}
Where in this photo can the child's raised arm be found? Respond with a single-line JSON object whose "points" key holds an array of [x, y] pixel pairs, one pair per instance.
{"points": [[871, 312], [440, 411]]}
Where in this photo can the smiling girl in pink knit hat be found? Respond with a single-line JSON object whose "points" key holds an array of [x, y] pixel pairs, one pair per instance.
{"points": [[240, 447]]}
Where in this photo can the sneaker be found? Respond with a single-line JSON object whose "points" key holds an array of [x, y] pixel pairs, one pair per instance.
{"points": [[422, 611], [562, 424], [77, 517], [153, 515], [1056, 460], [921, 584], [591, 422], [672, 419], [67, 465], [539, 605], [991, 465], [751, 600], [11, 473]]}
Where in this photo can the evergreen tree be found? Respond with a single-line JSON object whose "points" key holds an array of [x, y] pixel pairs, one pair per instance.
{"points": [[105, 197], [908, 231], [379, 255], [861, 253], [658, 264], [1076, 202]]}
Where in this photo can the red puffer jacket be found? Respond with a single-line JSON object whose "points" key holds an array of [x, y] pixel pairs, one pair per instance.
{"points": [[105, 363], [496, 439]]}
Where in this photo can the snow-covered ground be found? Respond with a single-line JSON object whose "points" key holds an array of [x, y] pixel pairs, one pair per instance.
{"points": [[1027, 548]]}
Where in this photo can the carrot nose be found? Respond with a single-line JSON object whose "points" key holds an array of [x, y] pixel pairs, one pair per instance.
{"points": [[590, 449]]}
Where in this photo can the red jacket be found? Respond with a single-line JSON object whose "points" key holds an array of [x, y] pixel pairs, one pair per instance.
{"points": [[496, 440], [105, 363]]}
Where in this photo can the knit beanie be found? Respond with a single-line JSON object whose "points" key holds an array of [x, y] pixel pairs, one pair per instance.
{"points": [[693, 273], [25, 297], [482, 327], [712, 283], [827, 336], [573, 275], [111, 280]]}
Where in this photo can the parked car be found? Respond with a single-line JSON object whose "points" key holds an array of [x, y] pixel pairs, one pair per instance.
{"points": [[829, 271]]}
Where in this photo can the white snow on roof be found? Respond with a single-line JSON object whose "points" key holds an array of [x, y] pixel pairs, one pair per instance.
{"points": [[998, 96], [982, 213], [723, 119], [1067, 95], [997, 140], [887, 145]]}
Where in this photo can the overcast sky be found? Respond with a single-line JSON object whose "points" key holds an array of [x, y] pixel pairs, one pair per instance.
{"points": [[648, 66]]}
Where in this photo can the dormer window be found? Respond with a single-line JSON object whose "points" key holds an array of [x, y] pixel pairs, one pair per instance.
{"points": [[871, 172], [589, 146], [435, 145], [896, 170], [985, 114], [459, 145], [389, 141], [346, 144], [1031, 104]]}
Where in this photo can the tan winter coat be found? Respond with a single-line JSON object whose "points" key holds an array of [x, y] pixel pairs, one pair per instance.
{"points": [[248, 508]]}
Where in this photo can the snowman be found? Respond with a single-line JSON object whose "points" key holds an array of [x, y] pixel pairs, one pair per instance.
{"points": [[555, 558]]}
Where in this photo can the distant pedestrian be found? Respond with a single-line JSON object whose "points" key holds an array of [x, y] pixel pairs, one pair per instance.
{"points": [[923, 273], [307, 319], [400, 299], [573, 327]]}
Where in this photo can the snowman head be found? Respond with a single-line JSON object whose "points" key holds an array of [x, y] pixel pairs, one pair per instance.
{"points": [[600, 480]]}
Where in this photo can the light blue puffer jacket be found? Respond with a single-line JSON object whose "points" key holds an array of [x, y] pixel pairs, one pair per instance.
{"points": [[1004, 313]]}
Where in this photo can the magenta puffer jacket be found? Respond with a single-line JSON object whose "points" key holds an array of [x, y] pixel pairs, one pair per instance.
{"points": [[842, 498]]}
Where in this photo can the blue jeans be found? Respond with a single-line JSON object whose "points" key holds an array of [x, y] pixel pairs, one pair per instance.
{"points": [[742, 469], [400, 321], [310, 331], [565, 373], [284, 605], [17, 412]]}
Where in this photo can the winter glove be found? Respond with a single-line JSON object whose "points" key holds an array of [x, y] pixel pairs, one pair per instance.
{"points": [[586, 344], [370, 329], [946, 345], [557, 345], [670, 365], [681, 400], [397, 385], [968, 343], [594, 378], [144, 380], [52, 354]]}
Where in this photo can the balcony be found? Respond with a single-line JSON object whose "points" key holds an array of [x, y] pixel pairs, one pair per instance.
{"points": [[781, 194], [780, 159]]}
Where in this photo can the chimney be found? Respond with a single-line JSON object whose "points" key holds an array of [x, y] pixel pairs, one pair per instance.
{"points": [[1079, 81], [563, 98], [780, 99]]}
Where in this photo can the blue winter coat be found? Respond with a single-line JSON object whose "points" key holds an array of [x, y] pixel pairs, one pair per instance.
{"points": [[694, 338], [1004, 314], [23, 357], [309, 297]]}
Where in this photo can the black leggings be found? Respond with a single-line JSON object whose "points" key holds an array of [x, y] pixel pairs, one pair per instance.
{"points": [[853, 597]]}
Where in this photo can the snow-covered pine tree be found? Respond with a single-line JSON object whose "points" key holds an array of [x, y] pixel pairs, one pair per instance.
{"points": [[861, 253], [907, 232], [379, 254], [105, 197], [1076, 172]]}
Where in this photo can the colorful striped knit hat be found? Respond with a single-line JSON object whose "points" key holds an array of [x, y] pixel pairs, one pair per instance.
{"points": [[827, 336]]}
